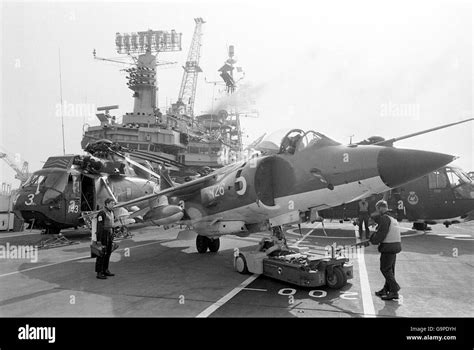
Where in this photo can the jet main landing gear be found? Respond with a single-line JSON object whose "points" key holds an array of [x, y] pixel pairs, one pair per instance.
{"points": [[204, 243]]}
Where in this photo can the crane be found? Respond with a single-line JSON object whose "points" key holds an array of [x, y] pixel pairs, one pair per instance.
{"points": [[21, 174], [187, 91]]}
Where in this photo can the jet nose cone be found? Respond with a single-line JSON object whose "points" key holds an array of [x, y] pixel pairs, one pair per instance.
{"points": [[399, 166]]}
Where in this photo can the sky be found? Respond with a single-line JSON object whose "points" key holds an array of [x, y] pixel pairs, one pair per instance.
{"points": [[343, 68]]}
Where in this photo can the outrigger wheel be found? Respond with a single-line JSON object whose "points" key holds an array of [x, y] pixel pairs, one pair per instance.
{"points": [[338, 279], [241, 264], [203, 243]]}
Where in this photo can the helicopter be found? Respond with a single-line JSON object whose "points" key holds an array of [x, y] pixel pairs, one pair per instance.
{"points": [[59, 195], [444, 196]]}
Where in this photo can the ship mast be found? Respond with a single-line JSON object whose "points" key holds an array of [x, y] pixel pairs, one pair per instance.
{"points": [[176, 137], [142, 76]]}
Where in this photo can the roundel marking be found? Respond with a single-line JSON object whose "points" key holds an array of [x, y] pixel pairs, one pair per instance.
{"points": [[243, 187]]}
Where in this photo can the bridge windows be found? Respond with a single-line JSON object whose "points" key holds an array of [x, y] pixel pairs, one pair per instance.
{"points": [[215, 150]]}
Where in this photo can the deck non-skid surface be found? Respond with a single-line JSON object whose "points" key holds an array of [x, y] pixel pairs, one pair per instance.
{"points": [[159, 276]]}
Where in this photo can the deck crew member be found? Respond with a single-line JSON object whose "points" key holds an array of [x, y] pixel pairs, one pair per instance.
{"points": [[105, 223], [388, 238], [277, 245], [363, 216]]}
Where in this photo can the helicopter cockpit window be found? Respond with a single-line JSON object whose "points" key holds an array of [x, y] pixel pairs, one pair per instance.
{"points": [[460, 183], [54, 180], [55, 184], [34, 180], [456, 177], [57, 181], [76, 185], [437, 180]]}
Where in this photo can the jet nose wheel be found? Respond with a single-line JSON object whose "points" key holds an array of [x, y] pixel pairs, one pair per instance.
{"points": [[204, 243]]}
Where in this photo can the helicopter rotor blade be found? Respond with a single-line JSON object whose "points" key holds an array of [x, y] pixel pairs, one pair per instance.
{"points": [[138, 165], [103, 180]]}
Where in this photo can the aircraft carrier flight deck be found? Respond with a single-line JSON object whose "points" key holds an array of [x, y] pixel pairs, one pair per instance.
{"points": [[159, 276]]}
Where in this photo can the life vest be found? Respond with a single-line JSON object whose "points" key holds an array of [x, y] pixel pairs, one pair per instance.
{"points": [[393, 235], [109, 219]]}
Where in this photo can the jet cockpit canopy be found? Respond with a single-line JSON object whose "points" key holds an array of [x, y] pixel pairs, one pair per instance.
{"points": [[286, 141]]}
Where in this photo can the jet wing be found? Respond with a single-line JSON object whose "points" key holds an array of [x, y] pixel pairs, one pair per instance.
{"points": [[185, 190]]}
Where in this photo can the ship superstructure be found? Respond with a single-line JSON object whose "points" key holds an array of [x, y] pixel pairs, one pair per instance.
{"points": [[176, 137]]}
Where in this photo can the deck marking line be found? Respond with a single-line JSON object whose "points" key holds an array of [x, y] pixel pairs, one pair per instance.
{"points": [[255, 289], [463, 228], [14, 235], [306, 235], [367, 302], [227, 297], [65, 261]]}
